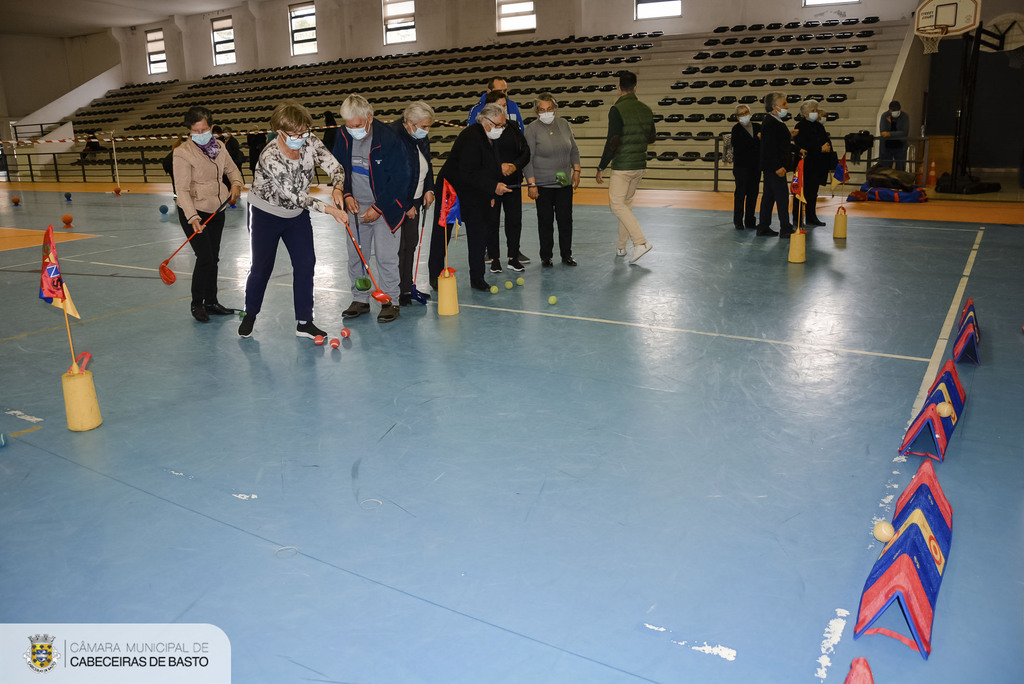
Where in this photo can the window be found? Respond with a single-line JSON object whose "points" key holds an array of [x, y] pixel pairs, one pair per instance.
{"points": [[156, 53], [223, 41], [399, 21], [303, 25], [815, 3], [515, 15], [652, 9]]}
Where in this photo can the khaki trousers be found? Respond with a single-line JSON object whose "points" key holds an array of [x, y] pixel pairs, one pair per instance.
{"points": [[621, 189]]}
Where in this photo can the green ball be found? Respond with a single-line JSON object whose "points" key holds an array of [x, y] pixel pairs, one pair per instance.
{"points": [[520, 281], [494, 289], [508, 284], [552, 299]]}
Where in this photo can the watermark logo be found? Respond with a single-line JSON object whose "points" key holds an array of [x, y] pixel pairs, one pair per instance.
{"points": [[41, 656]]}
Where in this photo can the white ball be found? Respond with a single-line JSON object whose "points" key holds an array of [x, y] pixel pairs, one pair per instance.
{"points": [[884, 532]]}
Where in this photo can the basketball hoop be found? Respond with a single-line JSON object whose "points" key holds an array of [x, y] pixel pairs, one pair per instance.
{"points": [[931, 35]]}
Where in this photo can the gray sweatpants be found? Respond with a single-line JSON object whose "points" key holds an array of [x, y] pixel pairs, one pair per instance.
{"points": [[376, 239]]}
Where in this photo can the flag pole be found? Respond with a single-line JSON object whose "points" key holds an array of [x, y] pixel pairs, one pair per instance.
{"points": [[113, 145], [67, 324]]}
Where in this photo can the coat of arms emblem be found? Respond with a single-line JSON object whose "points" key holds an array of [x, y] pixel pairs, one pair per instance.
{"points": [[40, 656]]}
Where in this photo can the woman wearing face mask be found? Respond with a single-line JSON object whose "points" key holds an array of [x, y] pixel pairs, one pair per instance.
{"points": [[474, 173], [746, 148], [279, 206], [412, 129], [199, 163], [553, 174], [815, 147], [775, 144]]}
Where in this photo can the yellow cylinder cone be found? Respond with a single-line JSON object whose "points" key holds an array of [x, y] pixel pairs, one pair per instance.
{"points": [[80, 404], [798, 247], [447, 296], [839, 227]]}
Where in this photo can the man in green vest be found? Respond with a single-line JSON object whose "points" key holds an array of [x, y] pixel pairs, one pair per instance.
{"points": [[630, 131]]}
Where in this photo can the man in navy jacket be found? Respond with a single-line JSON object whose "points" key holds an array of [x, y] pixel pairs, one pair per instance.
{"points": [[376, 193]]}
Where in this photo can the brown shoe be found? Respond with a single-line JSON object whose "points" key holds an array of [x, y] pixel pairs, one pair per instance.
{"points": [[388, 313], [355, 310]]}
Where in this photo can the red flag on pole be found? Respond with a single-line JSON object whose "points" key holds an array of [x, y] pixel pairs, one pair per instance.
{"points": [[52, 288], [797, 185], [450, 211]]}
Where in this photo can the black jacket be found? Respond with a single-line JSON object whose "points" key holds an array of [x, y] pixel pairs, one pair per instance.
{"points": [[512, 149], [473, 170], [810, 136], [414, 148], [775, 144], [746, 148]]}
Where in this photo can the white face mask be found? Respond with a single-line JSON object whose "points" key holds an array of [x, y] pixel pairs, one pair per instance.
{"points": [[895, 114], [783, 113], [495, 132], [356, 133], [813, 116], [546, 117], [202, 138], [745, 120]]}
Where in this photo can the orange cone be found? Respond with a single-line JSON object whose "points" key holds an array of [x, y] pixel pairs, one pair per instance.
{"points": [[931, 175]]}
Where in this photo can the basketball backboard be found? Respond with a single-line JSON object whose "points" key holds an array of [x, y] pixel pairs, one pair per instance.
{"points": [[959, 16]]}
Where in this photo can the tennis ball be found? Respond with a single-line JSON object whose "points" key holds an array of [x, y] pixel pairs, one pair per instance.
{"points": [[884, 532], [945, 409], [163, 209], [67, 218], [345, 332], [335, 343], [520, 281], [318, 340], [508, 285], [552, 299], [494, 289]]}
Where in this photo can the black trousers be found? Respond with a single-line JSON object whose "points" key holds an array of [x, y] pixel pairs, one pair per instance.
{"points": [[554, 204], [512, 204], [811, 195], [474, 224], [744, 198], [409, 243], [206, 246], [775, 194]]}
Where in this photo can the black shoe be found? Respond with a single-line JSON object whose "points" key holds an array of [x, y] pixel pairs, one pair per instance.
{"points": [[388, 313], [751, 226], [308, 330], [495, 266], [546, 263], [355, 310], [217, 310], [785, 232], [738, 227], [514, 265], [433, 284], [766, 232], [815, 222], [199, 313], [404, 299], [568, 261], [245, 327], [481, 285], [522, 258]]}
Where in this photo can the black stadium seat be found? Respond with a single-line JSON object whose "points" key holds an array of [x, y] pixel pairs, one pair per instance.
{"points": [[707, 100], [858, 48], [852, 21], [808, 66], [695, 117], [727, 99], [721, 29], [699, 84], [738, 83], [779, 82], [837, 49], [666, 101], [844, 35], [716, 117], [748, 68], [757, 53], [836, 97], [766, 39], [720, 55], [793, 98], [824, 36], [830, 23], [741, 53], [822, 81], [844, 80], [748, 99], [774, 26], [805, 37], [766, 67], [864, 34], [816, 50], [851, 64], [870, 20], [674, 118], [682, 135], [729, 68], [668, 155], [718, 84], [776, 52], [812, 24], [739, 28], [662, 135], [792, 25], [747, 40], [800, 81], [687, 101], [797, 51], [730, 41], [679, 85], [690, 155], [711, 42], [705, 135], [702, 55], [690, 70], [759, 83], [784, 39], [709, 70], [831, 116], [787, 66], [756, 27]]}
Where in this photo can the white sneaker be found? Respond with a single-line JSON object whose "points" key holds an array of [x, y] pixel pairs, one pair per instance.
{"points": [[620, 252], [639, 251]]}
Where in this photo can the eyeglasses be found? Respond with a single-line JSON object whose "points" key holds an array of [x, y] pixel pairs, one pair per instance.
{"points": [[297, 135], [495, 124]]}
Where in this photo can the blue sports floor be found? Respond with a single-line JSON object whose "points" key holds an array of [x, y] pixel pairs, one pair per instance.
{"points": [[670, 475]]}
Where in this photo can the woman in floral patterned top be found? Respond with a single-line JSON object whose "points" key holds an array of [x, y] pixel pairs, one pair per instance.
{"points": [[279, 205]]}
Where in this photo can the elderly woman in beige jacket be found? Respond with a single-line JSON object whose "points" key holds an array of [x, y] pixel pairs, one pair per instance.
{"points": [[199, 165]]}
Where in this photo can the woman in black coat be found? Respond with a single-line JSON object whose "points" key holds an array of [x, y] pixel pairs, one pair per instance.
{"points": [[473, 171], [412, 128], [746, 168], [816, 148]]}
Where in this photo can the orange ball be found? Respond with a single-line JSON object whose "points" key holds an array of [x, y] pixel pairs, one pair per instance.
{"points": [[117, 191], [15, 199], [66, 218]]}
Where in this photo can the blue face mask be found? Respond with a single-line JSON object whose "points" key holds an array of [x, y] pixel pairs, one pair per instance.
{"points": [[420, 133], [202, 138], [294, 143]]}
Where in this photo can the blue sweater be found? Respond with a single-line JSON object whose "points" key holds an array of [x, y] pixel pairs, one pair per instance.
{"points": [[513, 112], [389, 171]]}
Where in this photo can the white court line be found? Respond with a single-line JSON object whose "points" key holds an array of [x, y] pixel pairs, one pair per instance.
{"points": [[137, 268], [947, 328], [665, 328]]}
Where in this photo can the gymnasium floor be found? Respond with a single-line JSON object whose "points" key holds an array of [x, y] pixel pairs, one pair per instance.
{"points": [[670, 475]]}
